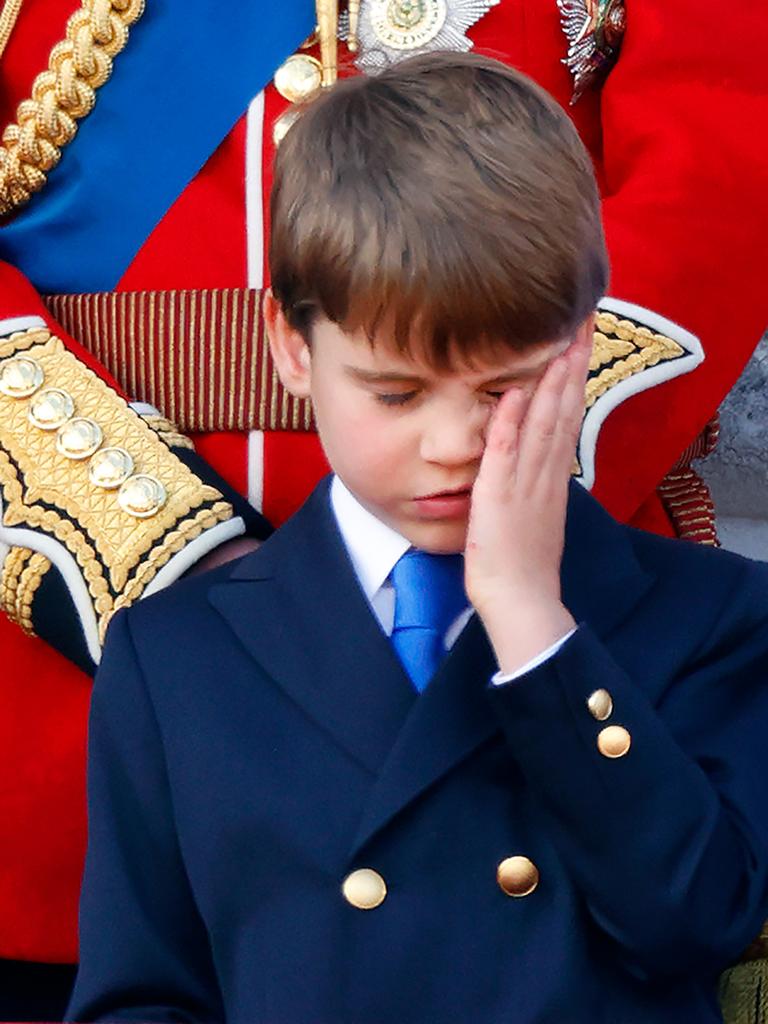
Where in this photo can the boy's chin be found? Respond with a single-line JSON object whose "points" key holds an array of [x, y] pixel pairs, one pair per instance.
{"points": [[438, 538]]}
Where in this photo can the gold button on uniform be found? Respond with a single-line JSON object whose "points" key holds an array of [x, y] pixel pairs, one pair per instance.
{"points": [[364, 889], [79, 438], [284, 123], [141, 496], [517, 876], [613, 741], [299, 77], [51, 408], [20, 377], [600, 704], [110, 468]]}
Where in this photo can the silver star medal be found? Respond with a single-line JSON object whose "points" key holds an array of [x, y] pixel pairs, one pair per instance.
{"points": [[390, 30]]}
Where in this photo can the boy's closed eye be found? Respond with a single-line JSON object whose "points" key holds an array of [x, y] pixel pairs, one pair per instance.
{"points": [[403, 397]]}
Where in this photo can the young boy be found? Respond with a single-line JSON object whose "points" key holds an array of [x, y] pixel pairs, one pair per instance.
{"points": [[341, 789]]}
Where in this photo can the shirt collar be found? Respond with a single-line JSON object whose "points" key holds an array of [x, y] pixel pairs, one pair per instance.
{"points": [[373, 547]]}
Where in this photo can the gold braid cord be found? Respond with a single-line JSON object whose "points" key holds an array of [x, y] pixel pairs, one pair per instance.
{"points": [[8, 16], [50, 493], [23, 572], [61, 96], [621, 349]]}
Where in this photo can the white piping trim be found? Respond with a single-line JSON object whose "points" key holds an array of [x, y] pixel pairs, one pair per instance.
{"points": [[20, 323], [648, 378], [256, 469], [193, 552], [73, 578], [144, 409], [254, 192]]}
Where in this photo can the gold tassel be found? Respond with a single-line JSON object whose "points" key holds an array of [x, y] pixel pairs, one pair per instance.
{"points": [[354, 18], [327, 27]]}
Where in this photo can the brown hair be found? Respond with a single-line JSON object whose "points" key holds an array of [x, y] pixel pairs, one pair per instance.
{"points": [[448, 200]]}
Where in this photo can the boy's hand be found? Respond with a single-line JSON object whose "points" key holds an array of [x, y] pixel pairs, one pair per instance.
{"points": [[517, 521]]}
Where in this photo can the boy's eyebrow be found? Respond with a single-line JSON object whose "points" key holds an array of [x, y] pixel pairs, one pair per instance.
{"points": [[398, 377], [383, 376], [523, 373]]}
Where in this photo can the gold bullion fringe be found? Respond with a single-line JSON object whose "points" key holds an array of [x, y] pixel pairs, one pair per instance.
{"points": [[686, 497], [689, 505], [62, 96], [199, 356]]}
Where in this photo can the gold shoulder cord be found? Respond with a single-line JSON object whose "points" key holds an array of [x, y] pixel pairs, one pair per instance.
{"points": [[61, 96], [8, 16]]}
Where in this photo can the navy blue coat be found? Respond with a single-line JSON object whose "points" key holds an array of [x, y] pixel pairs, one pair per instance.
{"points": [[254, 739]]}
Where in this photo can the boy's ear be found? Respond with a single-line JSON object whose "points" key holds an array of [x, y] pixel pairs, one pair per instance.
{"points": [[290, 351], [586, 331]]}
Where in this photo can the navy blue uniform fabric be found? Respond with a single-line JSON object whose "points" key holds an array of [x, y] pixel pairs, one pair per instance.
{"points": [[255, 739]]}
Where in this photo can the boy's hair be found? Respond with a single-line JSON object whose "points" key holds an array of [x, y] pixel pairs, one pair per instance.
{"points": [[447, 201]]}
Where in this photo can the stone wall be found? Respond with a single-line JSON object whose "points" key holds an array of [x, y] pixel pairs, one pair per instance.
{"points": [[737, 471]]}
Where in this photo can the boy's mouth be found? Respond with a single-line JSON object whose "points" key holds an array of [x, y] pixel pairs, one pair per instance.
{"points": [[451, 504], [454, 493]]}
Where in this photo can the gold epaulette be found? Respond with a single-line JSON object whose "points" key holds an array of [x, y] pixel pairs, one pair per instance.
{"points": [[634, 349], [88, 485]]}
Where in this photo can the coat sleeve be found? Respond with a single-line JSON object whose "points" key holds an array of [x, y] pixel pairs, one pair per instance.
{"points": [[101, 502], [144, 948], [667, 842], [683, 163]]}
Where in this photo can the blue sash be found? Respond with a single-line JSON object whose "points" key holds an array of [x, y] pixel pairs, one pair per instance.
{"points": [[189, 71]]}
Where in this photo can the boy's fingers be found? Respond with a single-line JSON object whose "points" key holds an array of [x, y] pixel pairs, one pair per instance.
{"points": [[541, 427], [572, 405], [502, 441]]}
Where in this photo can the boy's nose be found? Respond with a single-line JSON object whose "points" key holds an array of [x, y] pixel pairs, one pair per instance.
{"points": [[456, 440]]}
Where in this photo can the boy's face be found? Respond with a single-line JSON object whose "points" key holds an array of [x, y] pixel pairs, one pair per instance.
{"points": [[406, 439]]}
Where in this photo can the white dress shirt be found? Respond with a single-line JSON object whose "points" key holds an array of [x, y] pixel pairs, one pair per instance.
{"points": [[374, 548]]}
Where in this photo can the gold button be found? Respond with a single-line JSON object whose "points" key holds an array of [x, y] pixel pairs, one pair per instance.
{"points": [[79, 438], [110, 468], [613, 741], [517, 876], [299, 77], [364, 889], [600, 704], [141, 496], [51, 408], [283, 124], [20, 377]]}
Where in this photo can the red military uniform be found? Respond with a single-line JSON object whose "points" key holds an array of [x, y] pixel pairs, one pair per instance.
{"points": [[674, 132]]}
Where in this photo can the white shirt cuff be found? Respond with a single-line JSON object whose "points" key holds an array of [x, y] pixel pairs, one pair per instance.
{"points": [[500, 678]]}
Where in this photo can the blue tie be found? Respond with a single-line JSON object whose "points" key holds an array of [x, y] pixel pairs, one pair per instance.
{"points": [[429, 594]]}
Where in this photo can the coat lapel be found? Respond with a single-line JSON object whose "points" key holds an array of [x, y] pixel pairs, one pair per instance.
{"points": [[327, 651], [297, 608], [602, 582]]}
